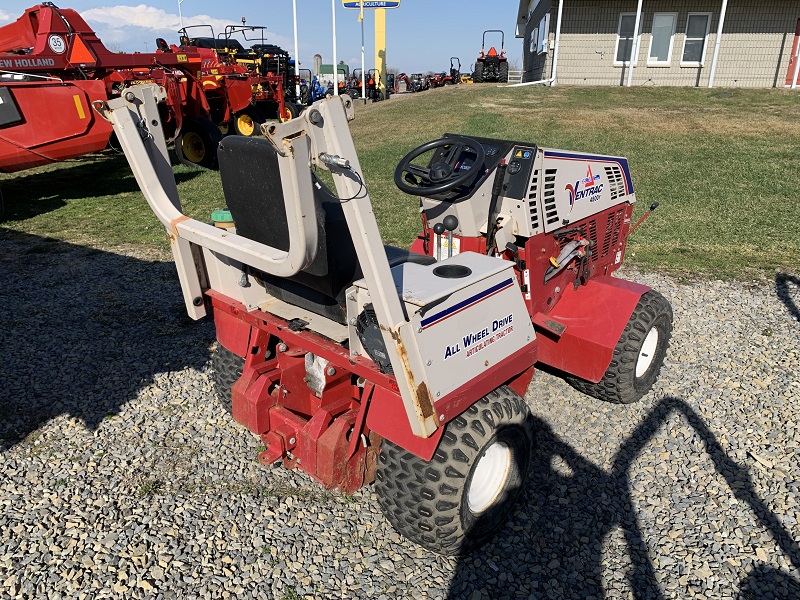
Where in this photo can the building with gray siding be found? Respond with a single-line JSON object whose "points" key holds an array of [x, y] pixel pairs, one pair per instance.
{"points": [[677, 42]]}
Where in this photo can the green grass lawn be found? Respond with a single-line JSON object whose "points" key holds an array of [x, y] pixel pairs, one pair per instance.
{"points": [[724, 164]]}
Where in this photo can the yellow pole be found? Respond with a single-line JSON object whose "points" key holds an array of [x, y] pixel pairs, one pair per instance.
{"points": [[380, 47]]}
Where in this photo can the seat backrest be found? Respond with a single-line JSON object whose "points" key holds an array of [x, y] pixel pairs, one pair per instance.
{"points": [[251, 182]]}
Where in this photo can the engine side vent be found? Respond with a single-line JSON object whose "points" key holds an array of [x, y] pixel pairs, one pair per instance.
{"points": [[617, 218], [550, 209], [616, 185], [607, 236], [533, 201]]}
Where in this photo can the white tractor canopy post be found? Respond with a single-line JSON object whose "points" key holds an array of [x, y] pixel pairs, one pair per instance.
{"points": [[142, 105], [326, 125]]}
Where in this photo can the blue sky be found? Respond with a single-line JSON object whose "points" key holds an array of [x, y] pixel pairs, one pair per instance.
{"points": [[421, 36]]}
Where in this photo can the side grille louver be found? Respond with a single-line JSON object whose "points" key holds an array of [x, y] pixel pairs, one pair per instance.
{"points": [[533, 201], [616, 185], [550, 210]]}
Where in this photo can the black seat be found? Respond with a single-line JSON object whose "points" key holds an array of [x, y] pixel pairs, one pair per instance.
{"points": [[253, 191]]}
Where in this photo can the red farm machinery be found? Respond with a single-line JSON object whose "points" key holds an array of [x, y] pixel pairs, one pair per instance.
{"points": [[491, 65], [357, 361], [241, 52], [53, 66]]}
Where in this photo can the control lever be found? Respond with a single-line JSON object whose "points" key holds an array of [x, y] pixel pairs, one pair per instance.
{"points": [[438, 229], [450, 222]]}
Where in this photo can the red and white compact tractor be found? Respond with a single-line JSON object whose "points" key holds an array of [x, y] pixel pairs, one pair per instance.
{"points": [[356, 361], [491, 65]]}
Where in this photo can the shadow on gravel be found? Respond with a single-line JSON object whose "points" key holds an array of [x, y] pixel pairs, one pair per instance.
{"points": [[83, 330], [573, 506], [30, 193], [785, 287]]}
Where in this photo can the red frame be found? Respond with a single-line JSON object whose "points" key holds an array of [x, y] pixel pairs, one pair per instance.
{"points": [[334, 436]]}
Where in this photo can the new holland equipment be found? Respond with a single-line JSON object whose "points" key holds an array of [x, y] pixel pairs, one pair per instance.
{"points": [[354, 360], [53, 66]]}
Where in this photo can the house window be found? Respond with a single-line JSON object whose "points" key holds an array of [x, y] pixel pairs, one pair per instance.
{"points": [[534, 41], [544, 34], [625, 38], [694, 44], [661, 39]]}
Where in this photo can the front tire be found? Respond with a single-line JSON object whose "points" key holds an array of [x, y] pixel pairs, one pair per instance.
{"points": [[638, 355], [464, 495]]}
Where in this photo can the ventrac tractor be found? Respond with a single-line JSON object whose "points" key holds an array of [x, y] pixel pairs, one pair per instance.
{"points": [[356, 361]]}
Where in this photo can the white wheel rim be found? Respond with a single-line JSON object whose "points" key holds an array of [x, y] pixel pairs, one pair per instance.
{"points": [[489, 477], [647, 352]]}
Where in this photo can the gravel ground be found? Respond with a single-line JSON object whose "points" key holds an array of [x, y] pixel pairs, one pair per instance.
{"points": [[121, 478]]}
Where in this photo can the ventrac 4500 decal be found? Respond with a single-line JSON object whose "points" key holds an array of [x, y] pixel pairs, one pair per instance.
{"points": [[589, 187]]}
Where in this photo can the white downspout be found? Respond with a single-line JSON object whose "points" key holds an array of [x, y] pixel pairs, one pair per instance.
{"points": [[635, 45], [796, 67], [717, 43], [556, 42], [555, 54]]}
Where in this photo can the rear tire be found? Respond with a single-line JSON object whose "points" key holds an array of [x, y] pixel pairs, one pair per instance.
{"points": [[504, 72], [638, 355], [196, 145], [477, 76], [226, 368], [464, 495]]}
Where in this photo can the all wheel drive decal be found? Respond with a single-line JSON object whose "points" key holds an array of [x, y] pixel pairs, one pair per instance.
{"points": [[464, 304]]}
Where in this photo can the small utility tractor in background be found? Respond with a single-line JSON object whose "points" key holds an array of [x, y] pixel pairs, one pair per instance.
{"points": [[455, 70], [420, 82], [491, 65], [374, 82], [311, 89], [352, 84], [354, 360]]}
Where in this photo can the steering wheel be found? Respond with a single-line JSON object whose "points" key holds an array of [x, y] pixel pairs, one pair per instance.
{"points": [[444, 174]]}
